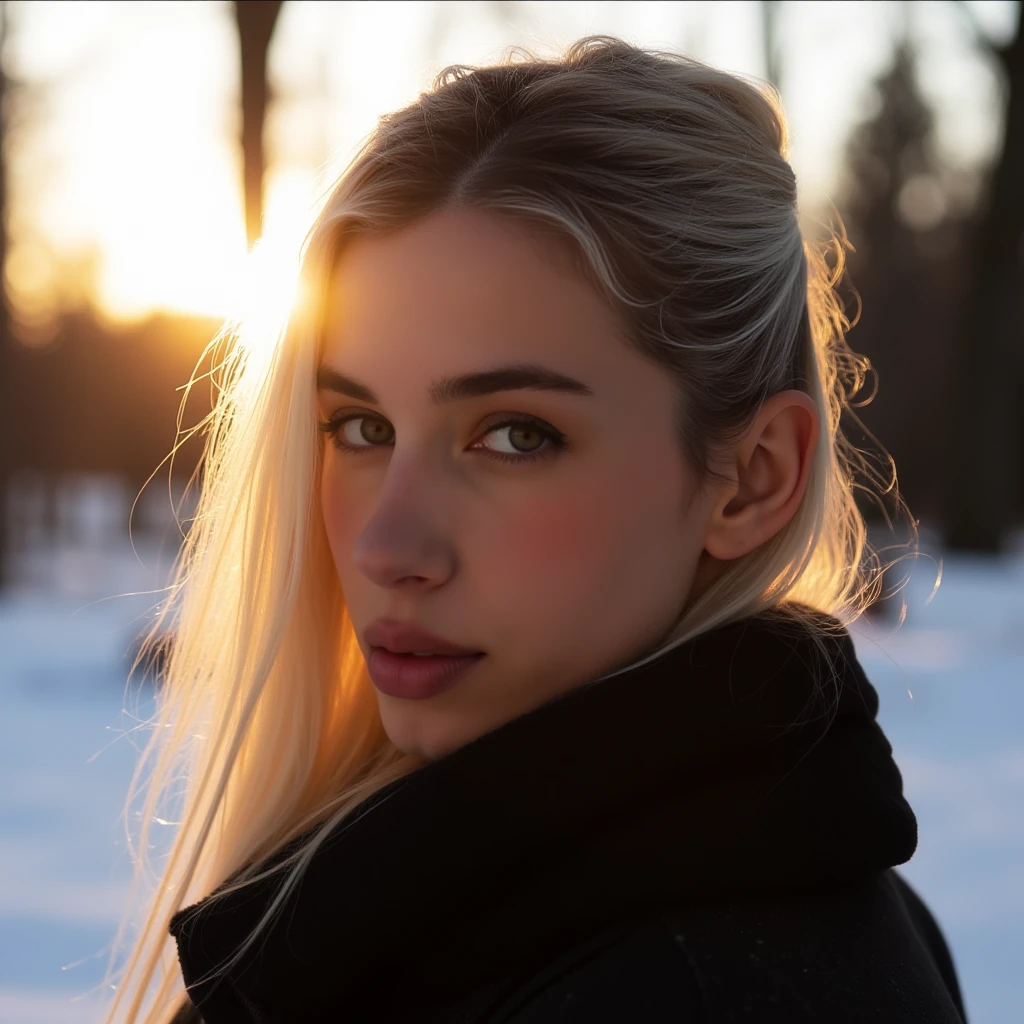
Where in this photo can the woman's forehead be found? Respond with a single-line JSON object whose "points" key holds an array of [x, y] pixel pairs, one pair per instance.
{"points": [[467, 290]]}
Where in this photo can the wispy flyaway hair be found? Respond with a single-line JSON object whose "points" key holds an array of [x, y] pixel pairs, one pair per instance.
{"points": [[665, 184]]}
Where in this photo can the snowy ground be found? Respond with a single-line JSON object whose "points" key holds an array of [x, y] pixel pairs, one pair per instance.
{"points": [[951, 682]]}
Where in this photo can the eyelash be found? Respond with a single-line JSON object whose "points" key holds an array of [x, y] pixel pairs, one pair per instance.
{"points": [[556, 439]]}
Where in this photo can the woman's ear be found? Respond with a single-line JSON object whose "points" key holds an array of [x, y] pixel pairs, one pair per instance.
{"points": [[769, 467]]}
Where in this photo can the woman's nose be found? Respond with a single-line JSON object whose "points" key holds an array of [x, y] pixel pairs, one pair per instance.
{"points": [[406, 536]]}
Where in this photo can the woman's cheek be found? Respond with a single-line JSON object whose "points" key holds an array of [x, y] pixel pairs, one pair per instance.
{"points": [[550, 537], [339, 515], [329, 504]]}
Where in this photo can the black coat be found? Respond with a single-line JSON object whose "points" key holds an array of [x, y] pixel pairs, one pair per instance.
{"points": [[706, 838]]}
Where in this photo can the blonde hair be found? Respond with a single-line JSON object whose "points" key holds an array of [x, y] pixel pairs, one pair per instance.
{"points": [[668, 183]]}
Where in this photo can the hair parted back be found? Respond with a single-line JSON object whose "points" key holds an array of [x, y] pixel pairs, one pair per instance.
{"points": [[667, 183]]}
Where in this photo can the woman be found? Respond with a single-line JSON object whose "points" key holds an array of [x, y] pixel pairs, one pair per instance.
{"points": [[520, 690]]}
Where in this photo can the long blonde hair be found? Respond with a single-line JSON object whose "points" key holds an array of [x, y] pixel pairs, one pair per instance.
{"points": [[669, 182]]}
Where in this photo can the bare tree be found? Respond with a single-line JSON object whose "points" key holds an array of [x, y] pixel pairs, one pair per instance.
{"points": [[256, 20], [770, 41], [7, 431], [987, 465]]}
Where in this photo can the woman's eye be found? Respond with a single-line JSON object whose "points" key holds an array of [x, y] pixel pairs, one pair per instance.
{"points": [[358, 429], [522, 437], [525, 439]]}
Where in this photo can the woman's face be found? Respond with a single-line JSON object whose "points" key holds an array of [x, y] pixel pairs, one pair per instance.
{"points": [[569, 558]]}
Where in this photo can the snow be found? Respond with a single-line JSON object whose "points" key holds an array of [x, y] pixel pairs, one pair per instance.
{"points": [[951, 688], [950, 680]]}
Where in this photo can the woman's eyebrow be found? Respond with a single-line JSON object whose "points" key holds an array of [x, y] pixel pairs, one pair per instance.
{"points": [[525, 376]]}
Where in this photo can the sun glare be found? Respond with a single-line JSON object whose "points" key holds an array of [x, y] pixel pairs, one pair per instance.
{"points": [[265, 294]]}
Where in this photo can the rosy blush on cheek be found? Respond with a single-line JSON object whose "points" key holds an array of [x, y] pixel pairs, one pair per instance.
{"points": [[558, 533]]}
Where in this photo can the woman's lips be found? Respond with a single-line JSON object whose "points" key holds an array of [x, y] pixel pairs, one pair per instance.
{"points": [[416, 678]]}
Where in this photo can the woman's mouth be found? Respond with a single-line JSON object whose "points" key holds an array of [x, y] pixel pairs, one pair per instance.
{"points": [[416, 676]]}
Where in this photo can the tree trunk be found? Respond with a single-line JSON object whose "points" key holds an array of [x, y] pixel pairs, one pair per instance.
{"points": [[770, 42], [8, 429], [256, 20], [987, 464]]}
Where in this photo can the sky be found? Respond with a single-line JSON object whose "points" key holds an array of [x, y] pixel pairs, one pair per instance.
{"points": [[124, 158]]}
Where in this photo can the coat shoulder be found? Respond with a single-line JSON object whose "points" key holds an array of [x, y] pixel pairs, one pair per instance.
{"points": [[852, 953], [859, 952], [927, 928], [636, 973]]}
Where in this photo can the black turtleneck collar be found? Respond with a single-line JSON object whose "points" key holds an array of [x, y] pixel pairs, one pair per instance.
{"points": [[731, 764]]}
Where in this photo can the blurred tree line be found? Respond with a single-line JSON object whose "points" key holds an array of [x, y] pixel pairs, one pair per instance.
{"points": [[936, 269], [105, 398], [937, 272]]}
